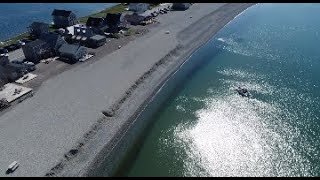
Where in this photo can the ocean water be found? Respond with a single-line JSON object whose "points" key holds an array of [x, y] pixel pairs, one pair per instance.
{"points": [[206, 129], [16, 17]]}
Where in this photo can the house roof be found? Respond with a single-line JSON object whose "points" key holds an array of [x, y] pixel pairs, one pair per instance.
{"points": [[58, 12], [69, 48], [34, 43], [113, 19], [134, 17], [50, 38], [95, 21]]}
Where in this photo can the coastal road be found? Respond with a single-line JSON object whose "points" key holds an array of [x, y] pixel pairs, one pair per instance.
{"points": [[40, 130]]}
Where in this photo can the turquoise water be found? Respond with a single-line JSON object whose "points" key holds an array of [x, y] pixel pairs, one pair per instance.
{"points": [[16, 17], [206, 129]]}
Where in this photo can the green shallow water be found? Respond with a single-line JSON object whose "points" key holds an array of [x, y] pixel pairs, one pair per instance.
{"points": [[206, 129]]}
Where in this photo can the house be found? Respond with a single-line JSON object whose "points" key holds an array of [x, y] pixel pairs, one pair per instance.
{"points": [[10, 72], [54, 41], [63, 18], [114, 22], [72, 52], [134, 19], [36, 50], [38, 28], [180, 6], [97, 24], [96, 41], [138, 7]]}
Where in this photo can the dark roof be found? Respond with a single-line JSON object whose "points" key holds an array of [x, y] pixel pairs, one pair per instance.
{"points": [[95, 21], [134, 17], [34, 43], [69, 48], [113, 19], [50, 38], [58, 12]]}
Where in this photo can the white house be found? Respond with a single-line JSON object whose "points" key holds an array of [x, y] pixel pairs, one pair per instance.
{"points": [[138, 7]]}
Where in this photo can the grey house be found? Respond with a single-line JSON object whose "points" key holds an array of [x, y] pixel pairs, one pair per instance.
{"points": [[96, 41], [98, 25], [53, 40], [138, 7], [72, 52], [38, 28], [35, 50], [134, 19], [63, 18], [180, 6]]}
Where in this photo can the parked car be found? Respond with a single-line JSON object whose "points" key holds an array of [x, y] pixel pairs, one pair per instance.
{"points": [[17, 45], [3, 51], [30, 66], [21, 42], [10, 48], [17, 62], [26, 40]]}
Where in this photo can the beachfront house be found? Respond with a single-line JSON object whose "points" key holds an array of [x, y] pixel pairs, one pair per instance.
{"points": [[63, 18], [138, 7], [35, 50], [53, 40], [38, 28], [96, 41], [97, 24], [114, 22], [180, 6], [72, 52], [134, 19]]}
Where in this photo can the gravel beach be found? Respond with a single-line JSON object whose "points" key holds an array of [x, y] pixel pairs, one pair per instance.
{"points": [[65, 112]]}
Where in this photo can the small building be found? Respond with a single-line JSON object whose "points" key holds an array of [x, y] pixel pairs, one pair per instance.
{"points": [[63, 18], [38, 28], [96, 41], [97, 24], [180, 6], [72, 52], [138, 7], [35, 50], [134, 19]]}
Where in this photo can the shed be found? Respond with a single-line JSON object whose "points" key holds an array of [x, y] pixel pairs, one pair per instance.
{"points": [[96, 41]]}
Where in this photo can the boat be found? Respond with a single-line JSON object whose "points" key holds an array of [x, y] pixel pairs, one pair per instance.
{"points": [[243, 92], [12, 167]]}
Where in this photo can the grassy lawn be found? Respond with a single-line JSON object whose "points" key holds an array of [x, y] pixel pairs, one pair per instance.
{"points": [[115, 9], [15, 39]]}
